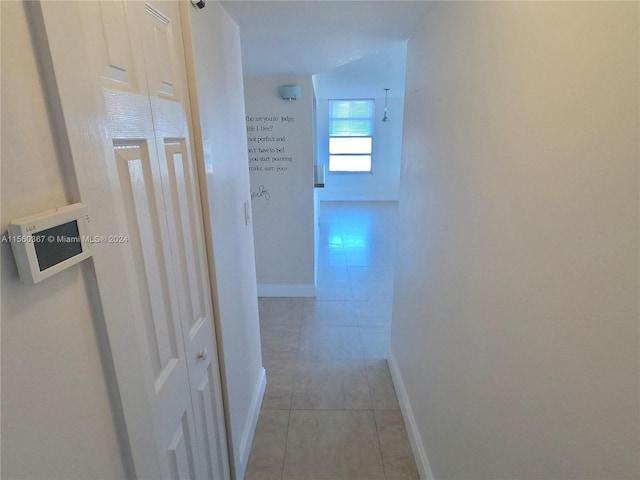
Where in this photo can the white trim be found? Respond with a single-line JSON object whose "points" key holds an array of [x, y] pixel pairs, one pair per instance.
{"points": [[290, 290], [419, 452], [250, 427], [328, 196]]}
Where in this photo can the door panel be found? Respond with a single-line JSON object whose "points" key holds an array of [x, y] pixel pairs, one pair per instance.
{"points": [[117, 43], [136, 83], [152, 284], [184, 208], [107, 33], [184, 198], [211, 422], [180, 453], [156, 300], [159, 51]]}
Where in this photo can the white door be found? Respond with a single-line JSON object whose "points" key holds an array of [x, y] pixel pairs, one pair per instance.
{"points": [[145, 182]]}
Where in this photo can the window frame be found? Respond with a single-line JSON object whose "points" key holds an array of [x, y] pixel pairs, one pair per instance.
{"points": [[370, 119]]}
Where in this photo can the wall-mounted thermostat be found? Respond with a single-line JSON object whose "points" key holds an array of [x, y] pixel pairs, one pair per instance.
{"points": [[47, 243]]}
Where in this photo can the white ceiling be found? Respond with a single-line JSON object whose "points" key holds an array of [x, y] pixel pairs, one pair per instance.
{"points": [[365, 78], [306, 37]]}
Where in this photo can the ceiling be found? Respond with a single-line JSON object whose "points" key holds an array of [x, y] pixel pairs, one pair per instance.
{"points": [[306, 37], [365, 78]]}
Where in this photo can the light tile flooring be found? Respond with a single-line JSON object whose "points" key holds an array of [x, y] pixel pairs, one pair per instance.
{"points": [[330, 410]]}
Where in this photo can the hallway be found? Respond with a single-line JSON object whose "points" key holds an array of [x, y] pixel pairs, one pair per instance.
{"points": [[330, 410]]}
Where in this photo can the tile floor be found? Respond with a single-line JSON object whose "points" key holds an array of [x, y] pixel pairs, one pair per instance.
{"points": [[330, 410]]}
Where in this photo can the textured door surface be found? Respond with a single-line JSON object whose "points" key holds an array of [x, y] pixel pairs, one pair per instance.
{"points": [[169, 100], [135, 53]]}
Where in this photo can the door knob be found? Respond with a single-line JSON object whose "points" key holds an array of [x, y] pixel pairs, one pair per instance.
{"points": [[202, 354]]}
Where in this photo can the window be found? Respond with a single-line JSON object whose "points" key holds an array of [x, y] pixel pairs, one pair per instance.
{"points": [[350, 135]]}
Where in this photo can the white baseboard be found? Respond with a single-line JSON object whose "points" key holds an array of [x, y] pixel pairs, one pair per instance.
{"points": [[250, 427], [419, 452], [347, 197], [291, 290]]}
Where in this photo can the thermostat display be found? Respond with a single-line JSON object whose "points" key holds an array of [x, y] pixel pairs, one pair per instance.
{"points": [[49, 242], [58, 244]]}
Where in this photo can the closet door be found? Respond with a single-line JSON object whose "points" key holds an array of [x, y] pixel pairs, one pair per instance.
{"points": [[166, 80], [144, 188]]}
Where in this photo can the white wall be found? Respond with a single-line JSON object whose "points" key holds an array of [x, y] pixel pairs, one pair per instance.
{"points": [[219, 89], [515, 331], [283, 201], [57, 420], [365, 78]]}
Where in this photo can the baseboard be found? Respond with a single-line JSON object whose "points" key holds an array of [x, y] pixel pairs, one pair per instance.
{"points": [[250, 427], [419, 452], [291, 290], [359, 198]]}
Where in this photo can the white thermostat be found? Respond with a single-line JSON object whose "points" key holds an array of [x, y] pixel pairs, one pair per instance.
{"points": [[47, 243]]}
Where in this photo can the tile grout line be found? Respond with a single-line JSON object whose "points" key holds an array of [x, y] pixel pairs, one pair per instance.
{"points": [[366, 370], [384, 467], [293, 381], [286, 441]]}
